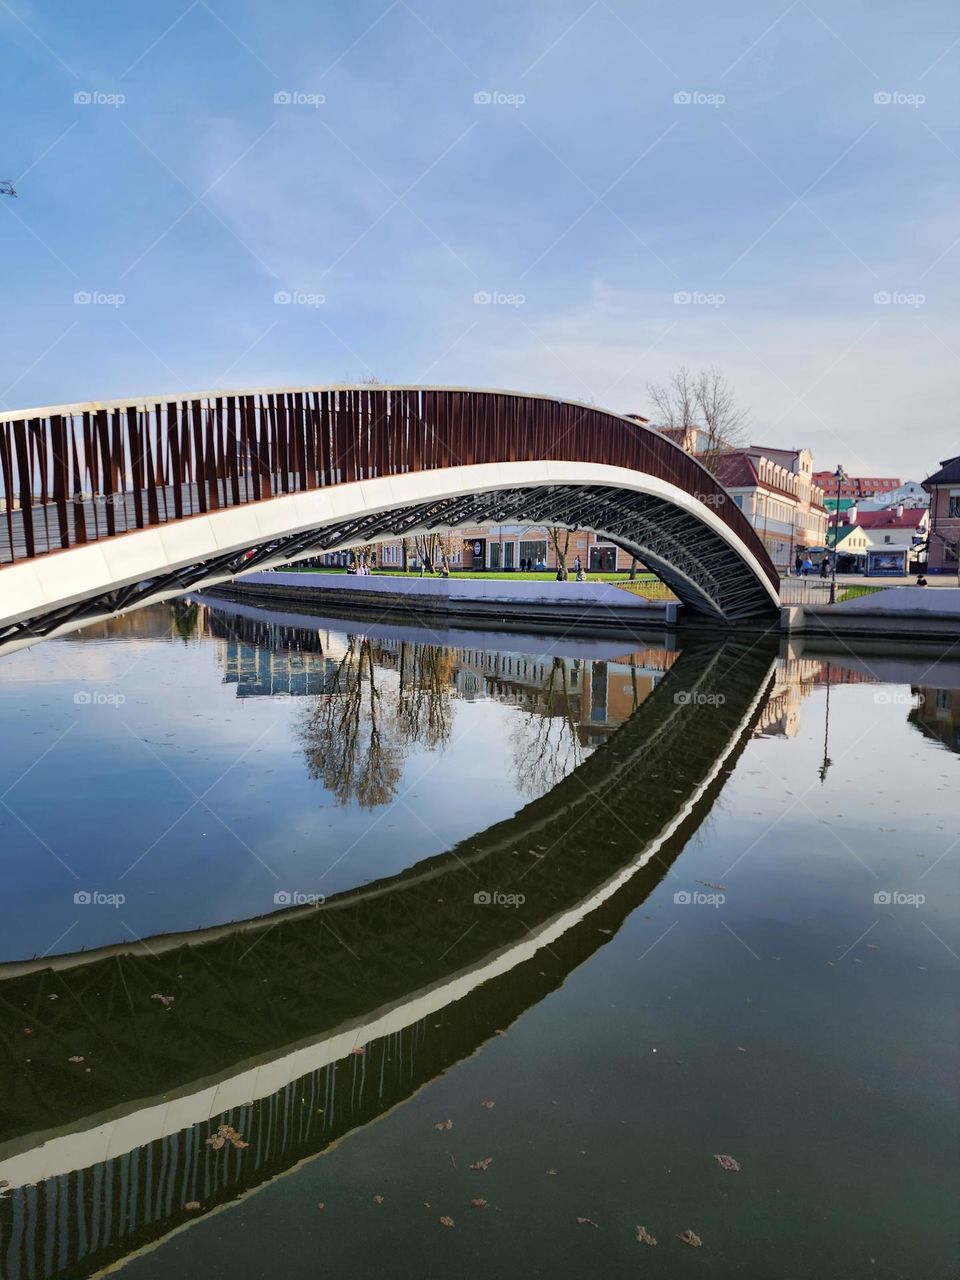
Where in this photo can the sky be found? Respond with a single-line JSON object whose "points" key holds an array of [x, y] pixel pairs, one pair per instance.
{"points": [[563, 197]]}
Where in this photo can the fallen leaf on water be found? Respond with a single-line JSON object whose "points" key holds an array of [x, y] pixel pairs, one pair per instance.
{"points": [[166, 1001], [447, 1222], [691, 1238], [378, 1199], [587, 1222], [483, 1164], [321, 1205], [488, 1103], [444, 1124], [552, 1172], [741, 1049], [728, 1162], [76, 1058], [192, 1204], [872, 946], [479, 1204], [644, 1236], [226, 1133]]}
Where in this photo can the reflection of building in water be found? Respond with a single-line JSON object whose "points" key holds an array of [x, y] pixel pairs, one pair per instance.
{"points": [[592, 696], [261, 672], [796, 679], [937, 714], [265, 659]]}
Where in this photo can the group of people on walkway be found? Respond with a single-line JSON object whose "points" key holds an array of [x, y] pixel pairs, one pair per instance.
{"points": [[803, 566], [563, 573]]}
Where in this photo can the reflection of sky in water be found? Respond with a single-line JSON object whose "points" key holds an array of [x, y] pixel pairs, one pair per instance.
{"points": [[800, 1025], [197, 804]]}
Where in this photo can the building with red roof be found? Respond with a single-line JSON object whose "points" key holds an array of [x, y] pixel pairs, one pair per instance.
{"points": [[775, 490]]}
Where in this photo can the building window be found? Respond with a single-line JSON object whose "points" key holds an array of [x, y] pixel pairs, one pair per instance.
{"points": [[534, 553], [603, 559], [953, 510]]}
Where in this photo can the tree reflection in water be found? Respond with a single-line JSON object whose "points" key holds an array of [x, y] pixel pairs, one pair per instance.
{"points": [[546, 741], [357, 735], [380, 702], [347, 735]]}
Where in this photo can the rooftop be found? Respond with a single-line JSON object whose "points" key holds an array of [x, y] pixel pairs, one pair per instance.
{"points": [[888, 518], [949, 473]]}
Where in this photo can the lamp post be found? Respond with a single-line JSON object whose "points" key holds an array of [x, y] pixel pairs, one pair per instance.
{"points": [[827, 762], [839, 475]]}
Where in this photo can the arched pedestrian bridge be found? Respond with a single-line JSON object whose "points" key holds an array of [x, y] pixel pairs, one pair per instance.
{"points": [[108, 505]]}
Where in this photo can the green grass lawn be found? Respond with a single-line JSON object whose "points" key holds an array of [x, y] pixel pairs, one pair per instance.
{"points": [[546, 576], [853, 592]]}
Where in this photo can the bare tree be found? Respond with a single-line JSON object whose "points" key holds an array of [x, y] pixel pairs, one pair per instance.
{"points": [[560, 539], [675, 401], [434, 551], [705, 401]]}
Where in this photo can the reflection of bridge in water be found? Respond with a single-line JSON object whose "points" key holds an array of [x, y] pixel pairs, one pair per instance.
{"points": [[102, 1155]]}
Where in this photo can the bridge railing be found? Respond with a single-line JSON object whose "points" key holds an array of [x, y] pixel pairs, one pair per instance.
{"points": [[78, 474]]}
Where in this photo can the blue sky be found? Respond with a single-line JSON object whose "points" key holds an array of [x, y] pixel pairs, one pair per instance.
{"points": [[583, 198]]}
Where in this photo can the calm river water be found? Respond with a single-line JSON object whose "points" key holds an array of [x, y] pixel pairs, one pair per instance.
{"points": [[342, 948]]}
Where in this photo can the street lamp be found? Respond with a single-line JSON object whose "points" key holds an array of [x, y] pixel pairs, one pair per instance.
{"points": [[839, 475]]}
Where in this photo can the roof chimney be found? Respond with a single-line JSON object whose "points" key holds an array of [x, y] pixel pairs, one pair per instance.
{"points": [[852, 514]]}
